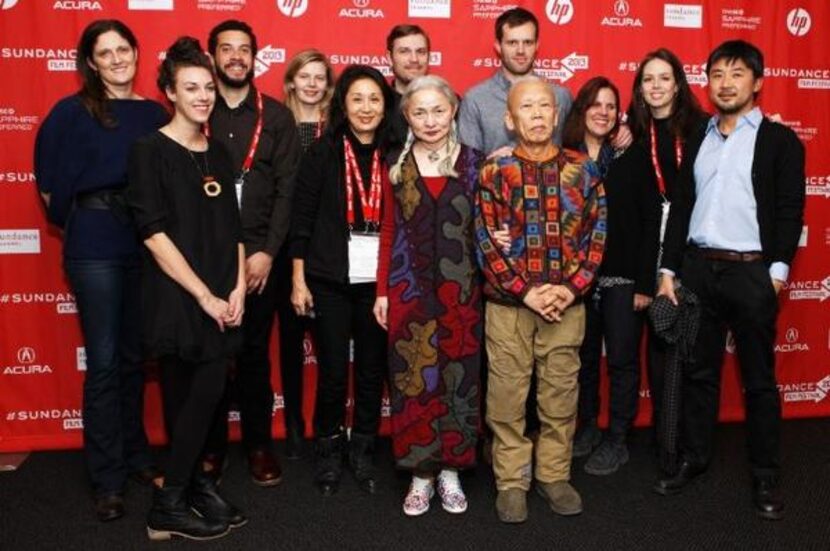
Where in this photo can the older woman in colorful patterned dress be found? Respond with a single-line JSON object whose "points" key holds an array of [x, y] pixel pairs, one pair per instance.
{"points": [[429, 299]]}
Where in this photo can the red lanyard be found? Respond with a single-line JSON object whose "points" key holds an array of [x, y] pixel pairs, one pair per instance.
{"points": [[370, 207], [249, 158], [678, 155], [318, 130]]}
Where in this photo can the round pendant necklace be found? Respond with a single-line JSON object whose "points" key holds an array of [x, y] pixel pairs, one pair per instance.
{"points": [[211, 187], [434, 155]]}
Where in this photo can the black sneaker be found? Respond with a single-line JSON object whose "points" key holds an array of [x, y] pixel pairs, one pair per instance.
{"points": [[588, 437], [607, 458]]}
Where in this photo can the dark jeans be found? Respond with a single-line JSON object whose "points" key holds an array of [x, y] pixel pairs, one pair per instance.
{"points": [[344, 311], [191, 392], [250, 388], [292, 330], [108, 298], [610, 315], [740, 296]]}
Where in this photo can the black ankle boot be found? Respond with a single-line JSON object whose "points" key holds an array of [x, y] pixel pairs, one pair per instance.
{"points": [[172, 516], [207, 501], [328, 465], [294, 438], [361, 448]]}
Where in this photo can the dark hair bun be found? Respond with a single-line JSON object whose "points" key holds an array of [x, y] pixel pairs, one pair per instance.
{"points": [[186, 51]]}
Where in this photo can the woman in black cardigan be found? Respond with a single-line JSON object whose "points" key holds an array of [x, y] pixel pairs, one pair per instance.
{"points": [[334, 246]]}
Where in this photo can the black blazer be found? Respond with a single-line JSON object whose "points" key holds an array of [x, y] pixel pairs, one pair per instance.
{"points": [[778, 184]]}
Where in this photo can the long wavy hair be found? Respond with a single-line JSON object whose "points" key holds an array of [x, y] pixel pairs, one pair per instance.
{"points": [[686, 110], [339, 122], [573, 133], [297, 62], [93, 93]]}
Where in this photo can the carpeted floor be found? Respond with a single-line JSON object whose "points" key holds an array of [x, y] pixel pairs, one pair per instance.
{"points": [[46, 505]]}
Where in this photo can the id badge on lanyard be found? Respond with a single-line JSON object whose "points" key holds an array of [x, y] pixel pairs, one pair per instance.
{"points": [[665, 207], [363, 256]]}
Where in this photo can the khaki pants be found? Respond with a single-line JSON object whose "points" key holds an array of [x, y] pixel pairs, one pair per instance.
{"points": [[517, 339]]}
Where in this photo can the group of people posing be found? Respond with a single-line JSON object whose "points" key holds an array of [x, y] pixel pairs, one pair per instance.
{"points": [[476, 252]]}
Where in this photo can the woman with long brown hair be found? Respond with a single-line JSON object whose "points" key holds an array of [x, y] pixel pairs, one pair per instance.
{"points": [[81, 168]]}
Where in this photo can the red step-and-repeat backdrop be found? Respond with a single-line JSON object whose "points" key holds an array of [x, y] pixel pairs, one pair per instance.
{"points": [[41, 350]]}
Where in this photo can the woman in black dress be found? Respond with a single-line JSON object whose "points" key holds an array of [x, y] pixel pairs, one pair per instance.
{"points": [[182, 195], [334, 244], [81, 166]]}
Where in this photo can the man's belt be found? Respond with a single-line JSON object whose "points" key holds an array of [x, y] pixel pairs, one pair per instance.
{"points": [[726, 255]]}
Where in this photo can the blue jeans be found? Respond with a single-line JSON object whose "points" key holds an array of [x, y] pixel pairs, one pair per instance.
{"points": [[107, 293]]}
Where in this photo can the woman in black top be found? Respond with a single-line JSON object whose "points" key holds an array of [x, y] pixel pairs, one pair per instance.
{"points": [[663, 115], [309, 86], [81, 168], [334, 244], [182, 195]]}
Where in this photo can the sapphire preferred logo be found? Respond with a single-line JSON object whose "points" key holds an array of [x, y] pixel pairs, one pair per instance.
{"points": [[220, 5], [739, 19], [292, 8], [559, 12], [799, 22], [27, 364]]}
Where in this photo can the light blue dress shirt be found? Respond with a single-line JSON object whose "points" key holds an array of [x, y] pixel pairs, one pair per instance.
{"points": [[724, 215]]}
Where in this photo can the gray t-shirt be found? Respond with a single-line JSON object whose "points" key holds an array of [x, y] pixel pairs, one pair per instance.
{"points": [[481, 117]]}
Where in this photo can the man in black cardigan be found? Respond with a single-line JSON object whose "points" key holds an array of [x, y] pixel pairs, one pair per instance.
{"points": [[732, 234]]}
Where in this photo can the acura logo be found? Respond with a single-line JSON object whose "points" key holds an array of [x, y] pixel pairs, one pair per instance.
{"points": [[621, 8], [361, 3], [26, 355], [792, 335]]}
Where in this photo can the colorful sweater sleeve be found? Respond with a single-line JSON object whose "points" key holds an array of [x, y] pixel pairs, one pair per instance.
{"points": [[593, 233], [501, 270], [387, 234]]}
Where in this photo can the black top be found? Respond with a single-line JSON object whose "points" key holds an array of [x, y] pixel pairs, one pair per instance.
{"points": [[266, 195], [166, 195], [319, 232], [633, 220], [778, 185], [75, 154]]}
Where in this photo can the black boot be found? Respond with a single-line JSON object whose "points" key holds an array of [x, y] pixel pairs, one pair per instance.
{"points": [[172, 516], [361, 447], [328, 465], [206, 500], [294, 438]]}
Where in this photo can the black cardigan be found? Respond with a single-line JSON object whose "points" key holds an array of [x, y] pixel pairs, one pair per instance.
{"points": [[633, 220], [319, 232], [778, 184]]}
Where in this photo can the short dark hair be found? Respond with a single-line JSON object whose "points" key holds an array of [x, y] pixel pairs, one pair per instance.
{"points": [[733, 50], [400, 31], [338, 122], [514, 18], [231, 25], [184, 52], [573, 133]]}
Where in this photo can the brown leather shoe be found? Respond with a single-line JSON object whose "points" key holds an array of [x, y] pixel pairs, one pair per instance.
{"points": [[265, 468]]}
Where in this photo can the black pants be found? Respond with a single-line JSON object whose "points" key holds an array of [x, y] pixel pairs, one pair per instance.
{"points": [[292, 330], [740, 296], [657, 349], [191, 393], [344, 311], [250, 388], [610, 315]]}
